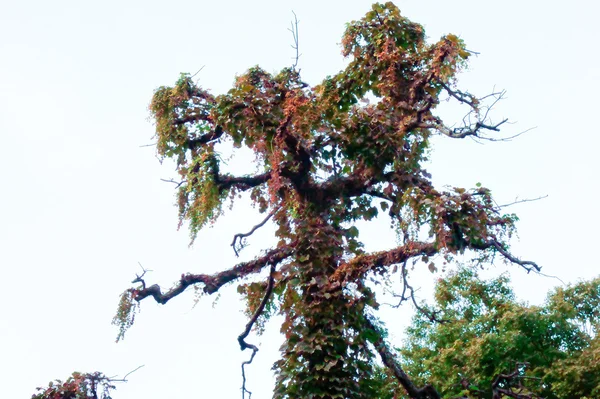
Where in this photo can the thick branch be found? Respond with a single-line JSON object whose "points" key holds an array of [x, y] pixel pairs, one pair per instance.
{"points": [[212, 283], [205, 138], [225, 182]]}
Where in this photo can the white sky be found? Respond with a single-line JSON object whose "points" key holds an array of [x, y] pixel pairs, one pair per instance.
{"points": [[82, 202]]}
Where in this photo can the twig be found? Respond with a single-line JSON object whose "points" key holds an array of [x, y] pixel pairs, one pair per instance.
{"points": [[294, 30], [124, 379], [432, 316], [177, 183], [140, 278], [518, 201], [132, 371], [197, 72]]}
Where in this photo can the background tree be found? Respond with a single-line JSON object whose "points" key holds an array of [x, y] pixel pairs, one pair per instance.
{"points": [[326, 157], [484, 331]]}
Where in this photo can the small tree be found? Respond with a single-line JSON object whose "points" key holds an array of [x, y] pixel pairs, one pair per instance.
{"points": [[329, 156]]}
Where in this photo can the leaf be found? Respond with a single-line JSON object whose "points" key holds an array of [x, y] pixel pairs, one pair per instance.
{"points": [[352, 232], [431, 267]]}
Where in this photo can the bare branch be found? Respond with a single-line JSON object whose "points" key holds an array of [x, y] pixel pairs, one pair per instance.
{"points": [[474, 123], [526, 264], [242, 337], [241, 236], [212, 283]]}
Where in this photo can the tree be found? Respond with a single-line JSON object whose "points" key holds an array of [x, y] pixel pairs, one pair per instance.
{"points": [[328, 156], [485, 332]]}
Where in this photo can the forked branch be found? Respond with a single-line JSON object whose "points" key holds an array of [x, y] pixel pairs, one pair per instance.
{"points": [[476, 121]]}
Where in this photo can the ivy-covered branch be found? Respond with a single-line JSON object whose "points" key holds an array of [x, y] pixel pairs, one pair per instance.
{"points": [[377, 261], [242, 183], [205, 138], [213, 282], [359, 265]]}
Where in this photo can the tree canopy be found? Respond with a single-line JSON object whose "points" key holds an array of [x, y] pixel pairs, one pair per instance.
{"points": [[326, 157], [483, 331]]}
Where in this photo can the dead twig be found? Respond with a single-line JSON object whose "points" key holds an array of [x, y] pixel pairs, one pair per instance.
{"points": [[518, 201], [294, 30], [177, 183]]}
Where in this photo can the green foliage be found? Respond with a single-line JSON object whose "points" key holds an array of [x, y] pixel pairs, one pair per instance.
{"points": [[485, 332], [126, 311]]}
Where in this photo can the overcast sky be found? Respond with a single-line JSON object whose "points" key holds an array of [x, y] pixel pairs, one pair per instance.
{"points": [[82, 201]]}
